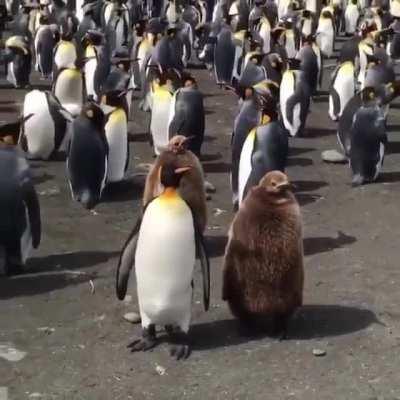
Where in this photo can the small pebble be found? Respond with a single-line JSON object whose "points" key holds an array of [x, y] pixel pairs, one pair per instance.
{"points": [[160, 370], [333, 156], [35, 396], [209, 187], [319, 352], [47, 330], [132, 317]]}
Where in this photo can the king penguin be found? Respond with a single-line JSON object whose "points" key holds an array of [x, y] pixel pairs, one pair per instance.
{"points": [[351, 17], [164, 274], [20, 223], [326, 34], [342, 89], [87, 157]]}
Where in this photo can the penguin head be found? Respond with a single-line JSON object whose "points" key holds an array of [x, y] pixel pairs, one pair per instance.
{"points": [[307, 14], [94, 113], [44, 19], [178, 144], [276, 183], [93, 37], [114, 98], [188, 81], [171, 174], [368, 95]]}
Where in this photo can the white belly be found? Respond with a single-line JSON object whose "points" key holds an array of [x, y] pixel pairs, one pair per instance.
{"points": [[345, 87], [117, 139], [165, 258], [245, 163], [161, 114], [39, 129], [351, 18], [69, 91], [26, 240], [11, 74], [286, 91], [325, 37], [90, 70]]}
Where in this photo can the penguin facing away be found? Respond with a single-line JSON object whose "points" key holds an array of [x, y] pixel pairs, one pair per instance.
{"points": [[263, 275], [192, 185], [20, 223], [164, 274], [87, 157]]}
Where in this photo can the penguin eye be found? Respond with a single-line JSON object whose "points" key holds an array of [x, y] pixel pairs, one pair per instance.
{"points": [[273, 183]]}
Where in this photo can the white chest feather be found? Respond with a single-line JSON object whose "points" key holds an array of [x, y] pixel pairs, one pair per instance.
{"points": [[245, 165], [162, 113]]}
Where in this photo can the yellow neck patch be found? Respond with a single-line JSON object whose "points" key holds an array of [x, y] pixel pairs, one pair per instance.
{"points": [[90, 51], [161, 93], [118, 116]]}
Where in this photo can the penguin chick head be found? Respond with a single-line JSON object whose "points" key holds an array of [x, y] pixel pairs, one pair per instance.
{"points": [[178, 144], [275, 182], [171, 174]]}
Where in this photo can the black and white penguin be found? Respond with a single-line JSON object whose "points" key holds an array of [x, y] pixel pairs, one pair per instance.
{"points": [[20, 223], [326, 33], [351, 17], [46, 131], [68, 89], [164, 275], [65, 53], [19, 61], [116, 131], [187, 117], [342, 89], [118, 31], [393, 46], [265, 149], [307, 24], [367, 139], [87, 156], [294, 99], [253, 70]]}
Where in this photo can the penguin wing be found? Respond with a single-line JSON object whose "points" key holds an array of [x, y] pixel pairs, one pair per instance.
{"points": [[204, 262], [127, 260], [290, 104], [31, 201]]}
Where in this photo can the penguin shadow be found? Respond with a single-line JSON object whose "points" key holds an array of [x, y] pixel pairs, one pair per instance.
{"points": [[209, 112], [39, 179], [45, 274], [217, 168], [9, 109], [392, 148], [208, 138], [322, 96], [299, 161], [138, 137], [129, 189], [210, 157], [318, 132], [308, 186], [309, 322], [296, 151], [388, 177], [315, 245], [393, 128], [215, 245]]}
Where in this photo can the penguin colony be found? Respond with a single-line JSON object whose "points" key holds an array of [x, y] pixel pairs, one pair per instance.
{"points": [[99, 56]]}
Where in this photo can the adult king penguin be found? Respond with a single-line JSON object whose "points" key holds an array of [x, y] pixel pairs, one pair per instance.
{"points": [[87, 156], [164, 275], [20, 224]]}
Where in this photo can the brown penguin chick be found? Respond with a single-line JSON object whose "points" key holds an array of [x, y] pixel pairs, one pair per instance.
{"points": [[192, 183], [263, 267]]}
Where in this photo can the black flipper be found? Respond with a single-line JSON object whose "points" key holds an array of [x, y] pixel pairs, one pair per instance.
{"points": [[31, 201], [290, 104], [127, 261], [205, 264], [336, 101]]}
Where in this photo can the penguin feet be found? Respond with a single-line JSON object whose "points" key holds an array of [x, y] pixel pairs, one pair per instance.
{"points": [[146, 342], [281, 330], [180, 348]]}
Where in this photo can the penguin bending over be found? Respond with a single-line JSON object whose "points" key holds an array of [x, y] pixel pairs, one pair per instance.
{"points": [[164, 275], [20, 223], [263, 275]]}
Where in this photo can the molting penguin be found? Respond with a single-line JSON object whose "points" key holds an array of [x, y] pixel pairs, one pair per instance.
{"points": [[164, 278], [20, 224], [263, 275], [368, 139], [187, 116], [46, 131], [68, 89], [342, 89], [19, 61], [192, 184], [87, 156], [116, 132], [294, 99], [265, 149]]}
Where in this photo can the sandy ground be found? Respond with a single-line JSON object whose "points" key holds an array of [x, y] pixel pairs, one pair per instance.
{"points": [[75, 341]]}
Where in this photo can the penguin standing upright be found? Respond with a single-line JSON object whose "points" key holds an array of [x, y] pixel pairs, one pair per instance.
{"points": [[263, 274], [116, 132], [367, 139], [20, 223], [342, 89], [307, 24], [326, 33], [164, 275], [19, 61], [46, 131], [65, 53], [68, 89], [351, 17], [294, 99], [187, 115], [192, 185], [265, 149], [87, 156]]}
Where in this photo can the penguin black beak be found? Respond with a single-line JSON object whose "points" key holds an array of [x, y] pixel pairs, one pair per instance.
{"points": [[182, 170]]}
